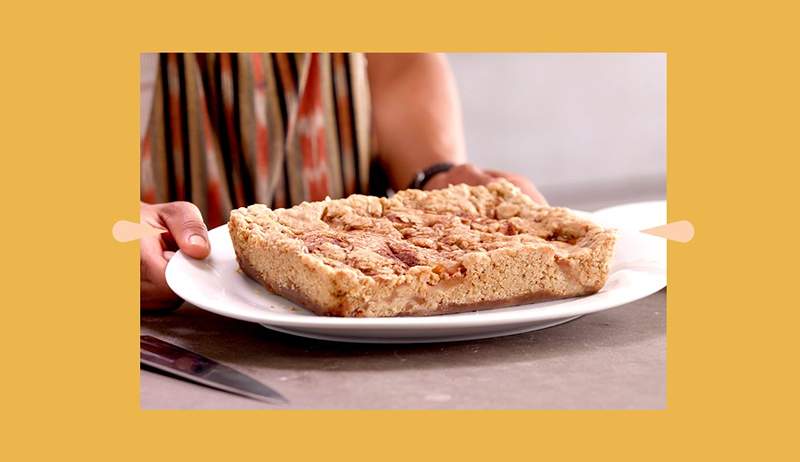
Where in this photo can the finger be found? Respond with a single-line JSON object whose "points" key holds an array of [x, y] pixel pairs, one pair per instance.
{"points": [[185, 224], [471, 175], [522, 183], [534, 194], [155, 294], [529, 189], [461, 174], [150, 215]]}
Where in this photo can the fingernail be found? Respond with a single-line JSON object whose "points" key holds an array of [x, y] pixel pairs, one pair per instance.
{"points": [[168, 254], [196, 239]]}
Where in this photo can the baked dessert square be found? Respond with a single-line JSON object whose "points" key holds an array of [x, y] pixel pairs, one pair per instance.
{"points": [[421, 253]]}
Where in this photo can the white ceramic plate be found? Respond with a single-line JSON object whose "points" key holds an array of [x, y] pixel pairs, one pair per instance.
{"points": [[217, 285]]}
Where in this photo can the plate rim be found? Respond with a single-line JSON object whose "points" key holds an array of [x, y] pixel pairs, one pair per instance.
{"points": [[575, 306], [431, 338]]}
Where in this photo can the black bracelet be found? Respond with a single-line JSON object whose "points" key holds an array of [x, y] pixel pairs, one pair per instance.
{"points": [[421, 178]]}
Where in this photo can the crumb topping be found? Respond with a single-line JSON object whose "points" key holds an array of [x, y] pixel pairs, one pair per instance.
{"points": [[386, 237]]}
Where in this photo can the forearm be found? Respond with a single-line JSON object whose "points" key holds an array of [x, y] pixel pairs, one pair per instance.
{"points": [[416, 113]]}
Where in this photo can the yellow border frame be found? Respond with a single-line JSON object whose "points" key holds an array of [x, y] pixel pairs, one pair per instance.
{"points": [[70, 149]]}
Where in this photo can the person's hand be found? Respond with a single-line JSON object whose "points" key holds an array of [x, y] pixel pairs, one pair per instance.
{"points": [[185, 231], [473, 176]]}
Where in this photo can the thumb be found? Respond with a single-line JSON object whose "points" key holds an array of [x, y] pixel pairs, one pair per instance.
{"points": [[185, 224]]}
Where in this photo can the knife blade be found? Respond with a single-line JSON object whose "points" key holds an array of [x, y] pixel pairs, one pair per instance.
{"points": [[191, 366]]}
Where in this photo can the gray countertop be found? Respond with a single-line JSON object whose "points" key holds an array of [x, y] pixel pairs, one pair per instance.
{"points": [[615, 359]]}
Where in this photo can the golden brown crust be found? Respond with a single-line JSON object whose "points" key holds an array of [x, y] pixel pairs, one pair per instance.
{"points": [[421, 252]]}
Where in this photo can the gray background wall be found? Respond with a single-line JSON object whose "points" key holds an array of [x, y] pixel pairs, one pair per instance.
{"points": [[588, 128]]}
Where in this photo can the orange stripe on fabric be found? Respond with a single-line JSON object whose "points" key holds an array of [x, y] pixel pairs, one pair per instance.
{"points": [[311, 135], [345, 121], [260, 106]]}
